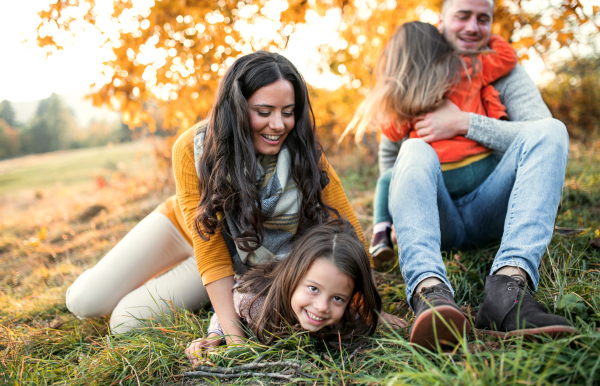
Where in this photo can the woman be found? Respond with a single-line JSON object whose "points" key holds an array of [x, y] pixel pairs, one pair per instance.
{"points": [[253, 173]]}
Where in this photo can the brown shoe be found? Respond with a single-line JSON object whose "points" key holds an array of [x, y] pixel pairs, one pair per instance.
{"points": [[508, 309], [438, 319]]}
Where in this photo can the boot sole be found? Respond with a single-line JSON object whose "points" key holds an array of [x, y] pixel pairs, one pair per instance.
{"points": [[382, 255], [551, 331], [429, 328]]}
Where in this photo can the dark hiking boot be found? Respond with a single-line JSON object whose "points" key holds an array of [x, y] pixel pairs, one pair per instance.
{"points": [[438, 319], [508, 309], [382, 249]]}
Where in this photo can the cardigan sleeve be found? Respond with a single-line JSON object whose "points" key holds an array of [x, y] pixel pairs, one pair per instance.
{"points": [[212, 256], [334, 196]]}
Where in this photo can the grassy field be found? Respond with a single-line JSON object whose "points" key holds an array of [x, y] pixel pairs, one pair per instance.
{"points": [[51, 232], [72, 167]]}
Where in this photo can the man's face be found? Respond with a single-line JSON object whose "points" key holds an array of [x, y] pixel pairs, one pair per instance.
{"points": [[466, 24]]}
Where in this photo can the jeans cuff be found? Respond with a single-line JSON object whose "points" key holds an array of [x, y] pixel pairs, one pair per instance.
{"points": [[410, 290], [518, 262]]}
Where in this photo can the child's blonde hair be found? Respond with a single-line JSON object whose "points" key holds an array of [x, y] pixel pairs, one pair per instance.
{"points": [[415, 71]]}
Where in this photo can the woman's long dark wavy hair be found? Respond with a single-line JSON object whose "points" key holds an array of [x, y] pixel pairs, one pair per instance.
{"points": [[336, 242], [227, 167]]}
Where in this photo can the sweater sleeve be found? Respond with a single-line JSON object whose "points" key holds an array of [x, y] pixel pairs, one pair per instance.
{"points": [[334, 196], [212, 256], [387, 153], [499, 63], [523, 103]]}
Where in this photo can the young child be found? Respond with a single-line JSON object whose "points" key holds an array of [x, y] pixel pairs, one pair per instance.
{"points": [[324, 287], [416, 72]]}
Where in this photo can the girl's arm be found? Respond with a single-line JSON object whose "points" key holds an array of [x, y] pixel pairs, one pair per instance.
{"points": [[499, 63], [392, 132], [222, 293], [523, 103]]}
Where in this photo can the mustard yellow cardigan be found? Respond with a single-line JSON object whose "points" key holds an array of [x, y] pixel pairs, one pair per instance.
{"points": [[212, 256]]}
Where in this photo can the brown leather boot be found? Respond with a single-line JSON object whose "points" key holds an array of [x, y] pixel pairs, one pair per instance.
{"points": [[508, 309], [438, 319]]}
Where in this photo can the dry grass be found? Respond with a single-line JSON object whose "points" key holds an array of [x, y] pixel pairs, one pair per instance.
{"points": [[46, 241]]}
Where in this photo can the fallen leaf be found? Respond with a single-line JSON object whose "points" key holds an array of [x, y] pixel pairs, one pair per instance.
{"points": [[55, 324], [43, 233]]}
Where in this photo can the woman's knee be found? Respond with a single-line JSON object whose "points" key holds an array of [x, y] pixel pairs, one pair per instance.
{"points": [[86, 300]]}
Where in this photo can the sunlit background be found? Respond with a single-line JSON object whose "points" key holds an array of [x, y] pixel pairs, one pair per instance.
{"points": [[27, 75], [318, 44]]}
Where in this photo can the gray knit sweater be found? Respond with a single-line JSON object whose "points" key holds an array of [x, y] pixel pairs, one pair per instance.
{"points": [[523, 103]]}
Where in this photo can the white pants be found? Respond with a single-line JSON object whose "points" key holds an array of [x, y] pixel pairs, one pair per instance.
{"points": [[147, 273]]}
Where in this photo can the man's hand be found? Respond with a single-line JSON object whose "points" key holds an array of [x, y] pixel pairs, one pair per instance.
{"points": [[446, 122], [392, 320]]}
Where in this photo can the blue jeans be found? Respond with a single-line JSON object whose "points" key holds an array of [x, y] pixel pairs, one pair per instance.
{"points": [[517, 203], [458, 182], [381, 212]]}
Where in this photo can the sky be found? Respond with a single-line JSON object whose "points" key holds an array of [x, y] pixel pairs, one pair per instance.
{"points": [[26, 75]]}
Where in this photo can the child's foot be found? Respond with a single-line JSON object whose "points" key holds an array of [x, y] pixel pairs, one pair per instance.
{"points": [[382, 249]]}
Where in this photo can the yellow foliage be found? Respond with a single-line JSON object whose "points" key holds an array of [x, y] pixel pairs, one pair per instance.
{"points": [[201, 39], [42, 233], [573, 97]]}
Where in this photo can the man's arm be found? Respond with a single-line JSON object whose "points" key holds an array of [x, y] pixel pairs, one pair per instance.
{"points": [[523, 103]]}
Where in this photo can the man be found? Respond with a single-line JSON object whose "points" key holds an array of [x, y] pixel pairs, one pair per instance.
{"points": [[517, 203]]}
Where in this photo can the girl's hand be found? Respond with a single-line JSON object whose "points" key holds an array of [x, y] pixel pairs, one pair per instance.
{"points": [[392, 321], [194, 350], [203, 344]]}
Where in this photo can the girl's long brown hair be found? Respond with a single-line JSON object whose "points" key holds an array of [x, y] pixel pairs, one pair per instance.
{"points": [[336, 242], [227, 167], [417, 68]]}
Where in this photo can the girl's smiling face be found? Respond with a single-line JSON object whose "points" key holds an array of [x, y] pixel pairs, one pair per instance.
{"points": [[271, 116], [322, 295]]}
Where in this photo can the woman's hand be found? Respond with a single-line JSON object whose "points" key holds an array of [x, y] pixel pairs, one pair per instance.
{"points": [[392, 321]]}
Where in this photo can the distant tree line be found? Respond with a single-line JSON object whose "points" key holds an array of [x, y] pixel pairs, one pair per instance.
{"points": [[53, 127], [574, 97]]}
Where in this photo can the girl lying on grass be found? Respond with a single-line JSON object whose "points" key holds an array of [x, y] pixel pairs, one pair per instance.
{"points": [[325, 287]]}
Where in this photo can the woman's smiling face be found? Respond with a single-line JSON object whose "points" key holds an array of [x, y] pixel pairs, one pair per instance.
{"points": [[271, 116]]}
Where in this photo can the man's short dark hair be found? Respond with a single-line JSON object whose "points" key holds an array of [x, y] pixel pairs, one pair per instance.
{"points": [[447, 3]]}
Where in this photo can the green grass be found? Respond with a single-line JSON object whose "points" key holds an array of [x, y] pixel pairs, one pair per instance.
{"points": [[41, 343], [71, 167]]}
